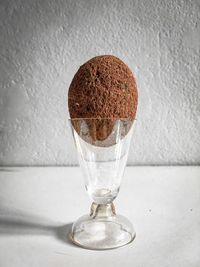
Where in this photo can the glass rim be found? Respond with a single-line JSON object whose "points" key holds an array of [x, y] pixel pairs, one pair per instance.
{"points": [[106, 118]]}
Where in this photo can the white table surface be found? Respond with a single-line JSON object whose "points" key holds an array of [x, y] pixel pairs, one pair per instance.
{"points": [[38, 205]]}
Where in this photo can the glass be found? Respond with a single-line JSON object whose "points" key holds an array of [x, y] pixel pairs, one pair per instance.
{"points": [[102, 146]]}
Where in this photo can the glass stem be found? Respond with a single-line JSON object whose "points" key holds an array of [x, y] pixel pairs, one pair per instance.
{"points": [[102, 210]]}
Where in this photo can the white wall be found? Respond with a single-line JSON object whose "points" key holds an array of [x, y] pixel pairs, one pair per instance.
{"points": [[44, 42]]}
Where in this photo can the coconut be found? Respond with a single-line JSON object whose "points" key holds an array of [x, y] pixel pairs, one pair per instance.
{"points": [[102, 91]]}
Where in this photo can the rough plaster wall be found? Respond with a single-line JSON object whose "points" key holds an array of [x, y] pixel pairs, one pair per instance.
{"points": [[44, 42]]}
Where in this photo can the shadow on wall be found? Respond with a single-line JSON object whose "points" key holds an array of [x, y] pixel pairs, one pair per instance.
{"points": [[34, 38]]}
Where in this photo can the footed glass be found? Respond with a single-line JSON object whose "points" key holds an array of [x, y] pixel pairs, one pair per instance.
{"points": [[102, 146]]}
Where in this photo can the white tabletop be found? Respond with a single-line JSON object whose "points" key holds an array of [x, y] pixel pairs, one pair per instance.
{"points": [[38, 205]]}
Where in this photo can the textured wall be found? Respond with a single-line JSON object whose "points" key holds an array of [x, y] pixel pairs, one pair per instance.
{"points": [[44, 42]]}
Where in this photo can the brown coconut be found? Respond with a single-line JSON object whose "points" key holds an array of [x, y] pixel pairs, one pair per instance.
{"points": [[103, 88]]}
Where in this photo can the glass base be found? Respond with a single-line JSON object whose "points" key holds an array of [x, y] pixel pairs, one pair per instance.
{"points": [[102, 229]]}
